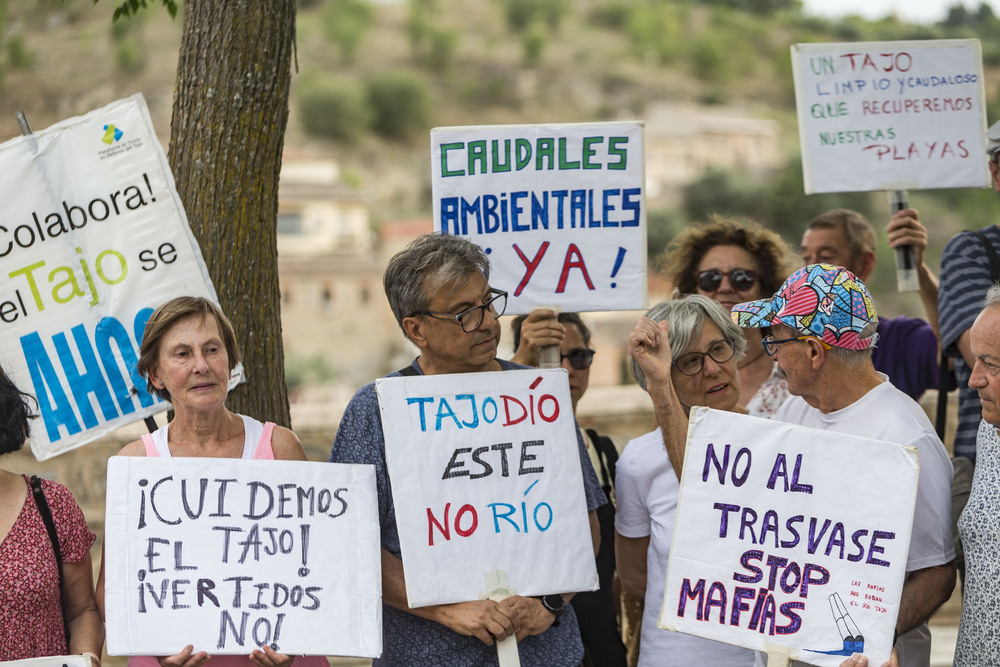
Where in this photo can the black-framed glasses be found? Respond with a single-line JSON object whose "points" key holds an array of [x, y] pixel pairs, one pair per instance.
{"points": [[740, 279], [580, 358], [771, 345], [692, 363], [471, 319]]}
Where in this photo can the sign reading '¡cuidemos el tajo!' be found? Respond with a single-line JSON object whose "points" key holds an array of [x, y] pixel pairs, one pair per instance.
{"points": [[560, 209], [93, 239], [890, 115]]}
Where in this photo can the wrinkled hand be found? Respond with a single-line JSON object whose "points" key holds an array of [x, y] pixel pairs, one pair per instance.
{"points": [[268, 657], [531, 617], [905, 229], [539, 329], [649, 345], [484, 619], [186, 658], [858, 660]]}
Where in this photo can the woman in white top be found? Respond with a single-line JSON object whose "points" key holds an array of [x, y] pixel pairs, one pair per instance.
{"points": [[705, 348]]}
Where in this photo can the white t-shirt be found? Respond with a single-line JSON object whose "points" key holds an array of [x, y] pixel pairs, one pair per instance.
{"points": [[647, 487], [886, 413]]}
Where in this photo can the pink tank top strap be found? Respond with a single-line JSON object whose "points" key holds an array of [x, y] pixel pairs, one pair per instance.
{"points": [[147, 441], [264, 449]]}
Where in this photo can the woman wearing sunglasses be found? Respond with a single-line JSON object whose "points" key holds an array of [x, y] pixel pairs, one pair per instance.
{"points": [[732, 262], [704, 349], [595, 611]]}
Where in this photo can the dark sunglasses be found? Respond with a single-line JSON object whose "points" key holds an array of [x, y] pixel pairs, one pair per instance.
{"points": [[580, 358], [740, 279]]}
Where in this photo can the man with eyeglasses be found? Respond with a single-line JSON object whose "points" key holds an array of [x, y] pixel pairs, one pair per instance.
{"points": [[823, 326], [439, 291], [907, 350]]}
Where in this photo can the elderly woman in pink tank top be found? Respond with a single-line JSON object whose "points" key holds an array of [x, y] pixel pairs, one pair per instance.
{"points": [[188, 352]]}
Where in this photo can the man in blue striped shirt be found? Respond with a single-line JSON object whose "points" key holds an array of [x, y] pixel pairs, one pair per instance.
{"points": [[965, 278]]}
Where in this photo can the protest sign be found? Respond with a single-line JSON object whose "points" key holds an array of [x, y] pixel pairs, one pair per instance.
{"points": [[51, 661], [486, 483], [790, 540], [559, 209], [229, 555], [94, 237], [890, 115]]}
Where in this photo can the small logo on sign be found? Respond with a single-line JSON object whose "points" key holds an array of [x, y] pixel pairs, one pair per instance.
{"points": [[111, 134]]}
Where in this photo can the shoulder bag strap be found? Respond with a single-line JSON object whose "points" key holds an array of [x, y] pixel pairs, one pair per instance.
{"points": [[408, 371], [992, 254], [50, 526]]}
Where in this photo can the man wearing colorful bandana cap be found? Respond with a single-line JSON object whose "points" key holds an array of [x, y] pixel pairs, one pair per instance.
{"points": [[823, 323]]}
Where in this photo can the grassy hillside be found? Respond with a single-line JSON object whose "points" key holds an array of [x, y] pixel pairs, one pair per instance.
{"points": [[372, 79]]}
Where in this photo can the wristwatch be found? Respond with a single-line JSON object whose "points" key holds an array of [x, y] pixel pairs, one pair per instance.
{"points": [[554, 603]]}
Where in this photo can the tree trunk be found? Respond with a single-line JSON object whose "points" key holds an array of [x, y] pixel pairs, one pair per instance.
{"points": [[227, 133]]}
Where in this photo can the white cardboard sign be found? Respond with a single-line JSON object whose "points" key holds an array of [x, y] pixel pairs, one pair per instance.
{"points": [[486, 482], [891, 115], [51, 661], [560, 209], [790, 537], [229, 555], [94, 237]]}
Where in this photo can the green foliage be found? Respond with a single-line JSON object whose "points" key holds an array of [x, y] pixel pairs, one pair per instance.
{"points": [[520, 14], [400, 104], [303, 370], [130, 57], [661, 226], [17, 53], [777, 201], [655, 30], [711, 58], [613, 15], [130, 8], [533, 44], [332, 107], [345, 23], [432, 46]]}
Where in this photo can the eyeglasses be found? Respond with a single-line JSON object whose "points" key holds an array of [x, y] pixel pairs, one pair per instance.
{"points": [[472, 318], [580, 358], [740, 279], [771, 345], [692, 363]]}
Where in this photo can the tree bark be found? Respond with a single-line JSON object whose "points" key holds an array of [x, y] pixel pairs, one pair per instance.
{"points": [[226, 139]]}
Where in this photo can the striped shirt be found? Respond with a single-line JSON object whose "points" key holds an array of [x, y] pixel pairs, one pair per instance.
{"points": [[965, 278]]}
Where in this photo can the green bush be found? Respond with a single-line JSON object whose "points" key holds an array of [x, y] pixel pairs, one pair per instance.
{"points": [[130, 57], [521, 13], [400, 104], [18, 54], [333, 108], [345, 23]]}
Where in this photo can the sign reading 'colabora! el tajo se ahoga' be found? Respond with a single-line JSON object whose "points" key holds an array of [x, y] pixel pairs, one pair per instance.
{"points": [[94, 237], [230, 555], [890, 115], [559, 209], [486, 484], [789, 539]]}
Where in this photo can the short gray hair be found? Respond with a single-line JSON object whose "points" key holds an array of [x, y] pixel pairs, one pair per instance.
{"points": [[686, 317], [426, 265], [992, 299]]}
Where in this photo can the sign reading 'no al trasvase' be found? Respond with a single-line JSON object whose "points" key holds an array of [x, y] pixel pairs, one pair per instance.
{"points": [[94, 237], [790, 538], [230, 555], [560, 209], [890, 115]]}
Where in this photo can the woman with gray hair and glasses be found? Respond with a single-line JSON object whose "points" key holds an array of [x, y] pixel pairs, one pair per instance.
{"points": [[697, 364]]}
